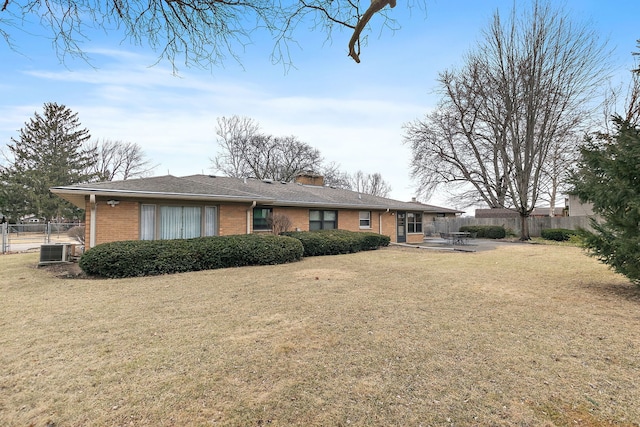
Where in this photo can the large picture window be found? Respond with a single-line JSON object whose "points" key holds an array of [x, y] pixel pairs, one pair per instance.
{"points": [[177, 222], [414, 222], [261, 218], [180, 222], [323, 220]]}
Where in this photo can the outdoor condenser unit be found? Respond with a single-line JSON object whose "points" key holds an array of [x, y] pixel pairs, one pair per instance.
{"points": [[59, 252]]}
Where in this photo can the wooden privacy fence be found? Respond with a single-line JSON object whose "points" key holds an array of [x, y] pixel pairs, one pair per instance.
{"points": [[536, 224]]}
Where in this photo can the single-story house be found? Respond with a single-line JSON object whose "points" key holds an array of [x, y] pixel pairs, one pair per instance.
{"points": [[169, 207]]}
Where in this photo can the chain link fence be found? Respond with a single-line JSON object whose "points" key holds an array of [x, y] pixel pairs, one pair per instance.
{"points": [[23, 237]]}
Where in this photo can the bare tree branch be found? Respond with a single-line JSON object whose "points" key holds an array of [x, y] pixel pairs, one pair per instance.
{"points": [[527, 86], [245, 152], [119, 160], [372, 184], [203, 33], [375, 7]]}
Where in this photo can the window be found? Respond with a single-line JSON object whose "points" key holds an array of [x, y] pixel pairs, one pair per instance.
{"points": [[177, 222], [414, 222], [365, 219], [261, 218], [323, 220], [210, 221], [147, 222]]}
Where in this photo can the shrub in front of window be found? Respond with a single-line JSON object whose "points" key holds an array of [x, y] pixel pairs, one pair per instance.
{"points": [[334, 242], [558, 234], [154, 257], [279, 223], [485, 231]]}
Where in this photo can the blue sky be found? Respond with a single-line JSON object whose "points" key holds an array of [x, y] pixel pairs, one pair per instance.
{"points": [[353, 113]]}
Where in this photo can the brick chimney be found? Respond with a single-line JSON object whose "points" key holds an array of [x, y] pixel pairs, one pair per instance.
{"points": [[308, 178]]}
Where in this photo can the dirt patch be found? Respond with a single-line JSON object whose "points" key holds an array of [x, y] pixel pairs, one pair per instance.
{"points": [[65, 270]]}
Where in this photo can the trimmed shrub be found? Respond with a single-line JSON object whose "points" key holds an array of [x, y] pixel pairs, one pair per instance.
{"points": [[334, 242], [486, 231], [154, 257], [558, 234]]}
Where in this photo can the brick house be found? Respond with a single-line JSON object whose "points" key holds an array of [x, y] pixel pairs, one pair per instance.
{"points": [[169, 207]]}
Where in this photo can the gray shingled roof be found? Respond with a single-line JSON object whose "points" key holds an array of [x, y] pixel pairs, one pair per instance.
{"points": [[266, 193]]}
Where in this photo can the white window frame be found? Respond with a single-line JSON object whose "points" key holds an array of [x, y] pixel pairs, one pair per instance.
{"points": [[365, 223]]}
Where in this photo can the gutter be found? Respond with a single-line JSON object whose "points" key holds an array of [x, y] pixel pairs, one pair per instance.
{"points": [[92, 227]]}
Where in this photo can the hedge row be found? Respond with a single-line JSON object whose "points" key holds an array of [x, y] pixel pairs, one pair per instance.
{"points": [[558, 234], [485, 231], [148, 258], [334, 242]]}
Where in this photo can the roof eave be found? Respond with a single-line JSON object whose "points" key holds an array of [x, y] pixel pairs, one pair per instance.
{"points": [[77, 195]]}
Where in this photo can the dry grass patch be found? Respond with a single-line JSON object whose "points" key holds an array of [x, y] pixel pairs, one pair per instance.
{"points": [[522, 335]]}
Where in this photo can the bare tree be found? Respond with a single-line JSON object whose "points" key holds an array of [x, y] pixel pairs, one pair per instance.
{"points": [[234, 136], [119, 160], [334, 176], [370, 184], [281, 158], [198, 32], [243, 151], [562, 157], [625, 97], [279, 223], [529, 83]]}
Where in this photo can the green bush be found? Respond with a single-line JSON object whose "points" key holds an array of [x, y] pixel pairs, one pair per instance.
{"points": [[558, 234], [148, 258], [334, 242], [485, 231]]}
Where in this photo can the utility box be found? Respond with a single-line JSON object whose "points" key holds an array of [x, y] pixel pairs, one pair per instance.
{"points": [[55, 253]]}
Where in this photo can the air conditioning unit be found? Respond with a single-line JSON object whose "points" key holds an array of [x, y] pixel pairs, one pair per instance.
{"points": [[56, 253]]}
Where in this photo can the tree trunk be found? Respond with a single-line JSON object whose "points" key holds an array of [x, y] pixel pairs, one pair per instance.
{"points": [[524, 227]]}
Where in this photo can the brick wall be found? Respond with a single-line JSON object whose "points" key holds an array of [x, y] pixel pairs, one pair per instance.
{"points": [[415, 238], [389, 225], [347, 220], [120, 222], [232, 219], [299, 217], [310, 179]]}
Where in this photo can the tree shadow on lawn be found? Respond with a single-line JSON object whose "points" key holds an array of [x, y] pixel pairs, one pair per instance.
{"points": [[627, 291]]}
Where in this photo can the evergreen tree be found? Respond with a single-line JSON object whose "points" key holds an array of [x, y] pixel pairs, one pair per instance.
{"points": [[48, 152], [609, 177]]}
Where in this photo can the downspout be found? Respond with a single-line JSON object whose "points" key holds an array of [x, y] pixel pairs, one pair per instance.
{"points": [[92, 226], [253, 205]]}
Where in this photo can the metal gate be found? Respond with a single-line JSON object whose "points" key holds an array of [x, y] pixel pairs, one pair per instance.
{"points": [[23, 237], [4, 243]]}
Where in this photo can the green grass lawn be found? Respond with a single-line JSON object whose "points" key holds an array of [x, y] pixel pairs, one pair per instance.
{"points": [[527, 335]]}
